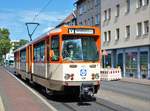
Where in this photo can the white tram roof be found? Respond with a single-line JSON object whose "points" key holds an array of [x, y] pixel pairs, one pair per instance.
{"points": [[39, 37]]}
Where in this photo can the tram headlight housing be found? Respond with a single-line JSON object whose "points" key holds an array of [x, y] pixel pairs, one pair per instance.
{"points": [[67, 76], [93, 76], [96, 76]]}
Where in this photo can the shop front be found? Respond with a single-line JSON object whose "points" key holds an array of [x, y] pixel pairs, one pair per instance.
{"points": [[134, 62]]}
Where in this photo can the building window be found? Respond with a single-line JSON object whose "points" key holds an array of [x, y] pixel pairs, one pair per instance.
{"points": [[109, 36], [85, 22], [144, 64], [89, 22], [127, 31], [128, 6], [146, 27], [139, 29], [80, 23], [117, 10], [92, 21], [88, 5], [145, 2], [80, 10], [131, 64], [109, 13], [120, 62], [91, 4], [97, 19], [105, 15], [105, 36], [117, 34], [139, 4], [96, 2], [107, 60], [84, 8]]}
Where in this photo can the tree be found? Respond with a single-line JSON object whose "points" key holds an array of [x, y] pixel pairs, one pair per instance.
{"points": [[23, 42], [20, 43], [5, 43]]}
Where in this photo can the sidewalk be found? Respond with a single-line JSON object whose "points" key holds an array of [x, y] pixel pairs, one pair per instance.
{"points": [[137, 81], [16, 97]]}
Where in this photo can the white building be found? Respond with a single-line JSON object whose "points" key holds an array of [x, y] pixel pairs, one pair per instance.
{"points": [[10, 55], [126, 36]]}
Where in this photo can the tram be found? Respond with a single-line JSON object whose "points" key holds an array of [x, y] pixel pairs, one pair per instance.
{"points": [[64, 59]]}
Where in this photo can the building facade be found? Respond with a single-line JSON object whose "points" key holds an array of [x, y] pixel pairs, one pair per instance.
{"points": [[125, 26], [88, 12], [69, 20]]}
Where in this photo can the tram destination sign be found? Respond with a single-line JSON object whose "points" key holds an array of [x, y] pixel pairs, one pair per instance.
{"points": [[80, 31]]}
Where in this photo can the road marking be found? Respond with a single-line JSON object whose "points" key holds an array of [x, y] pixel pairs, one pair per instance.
{"points": [[34, 92], [1, 105]]}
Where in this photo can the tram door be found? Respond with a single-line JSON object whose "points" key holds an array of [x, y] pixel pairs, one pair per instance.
{"points": [[30, 59]]}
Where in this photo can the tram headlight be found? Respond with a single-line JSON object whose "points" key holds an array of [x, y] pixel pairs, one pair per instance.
{"points": [[72, 76], [67, 76], [95, 76]]}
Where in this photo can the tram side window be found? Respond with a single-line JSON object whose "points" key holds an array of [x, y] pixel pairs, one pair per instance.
{"points": [[55, 48], [23, 56], [42, 56], [35, 53], [39, 52]]}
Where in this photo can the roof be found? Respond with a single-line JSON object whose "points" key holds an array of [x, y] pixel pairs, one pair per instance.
{"points": [[78, 1], [67, 19]]}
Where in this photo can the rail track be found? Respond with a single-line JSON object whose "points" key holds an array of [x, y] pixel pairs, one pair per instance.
{"points": [[62, 103]]}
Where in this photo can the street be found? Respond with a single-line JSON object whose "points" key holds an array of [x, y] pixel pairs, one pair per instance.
{"points": [[75, 55], [130, 95], [112, 96]]}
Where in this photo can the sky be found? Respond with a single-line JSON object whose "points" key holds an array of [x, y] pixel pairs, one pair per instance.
{"points": [[15, 13]]}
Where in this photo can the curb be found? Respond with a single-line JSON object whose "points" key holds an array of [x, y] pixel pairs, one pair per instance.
{"points": [[136, 81], [1, 105], [33, 91]]}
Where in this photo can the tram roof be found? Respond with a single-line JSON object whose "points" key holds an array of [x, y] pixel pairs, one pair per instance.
{"points": [[39, 37], [54, 30]]}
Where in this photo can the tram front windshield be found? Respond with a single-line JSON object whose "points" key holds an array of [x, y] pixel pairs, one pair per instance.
{"points": [[79, 49]]}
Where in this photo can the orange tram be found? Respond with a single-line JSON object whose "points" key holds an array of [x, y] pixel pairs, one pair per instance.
{"points": [[64, 60]]}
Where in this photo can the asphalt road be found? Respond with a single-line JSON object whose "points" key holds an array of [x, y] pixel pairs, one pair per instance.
{"points": [[113, 96], [130, 95]]}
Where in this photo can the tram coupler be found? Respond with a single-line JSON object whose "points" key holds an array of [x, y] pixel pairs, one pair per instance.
{"points": [[86, 91]]}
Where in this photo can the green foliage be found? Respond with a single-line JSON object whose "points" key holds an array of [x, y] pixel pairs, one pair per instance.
{"points": [[4, 33], [23, 42], [5, 44], [20, 43]]}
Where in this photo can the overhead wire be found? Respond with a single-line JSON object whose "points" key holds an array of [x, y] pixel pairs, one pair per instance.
{"points": [[42, 9]]}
